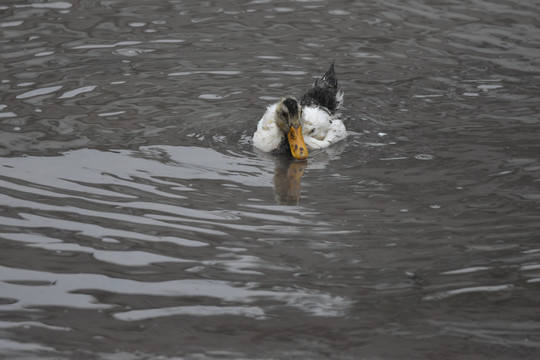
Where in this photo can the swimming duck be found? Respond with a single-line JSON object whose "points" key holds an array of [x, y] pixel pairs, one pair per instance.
{"points": [[299, 126]]}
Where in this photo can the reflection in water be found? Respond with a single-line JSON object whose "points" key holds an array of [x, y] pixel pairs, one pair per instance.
{"points": [[288, 172], [288, 180]]}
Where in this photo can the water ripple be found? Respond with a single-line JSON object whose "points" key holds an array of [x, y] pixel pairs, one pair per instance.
{"points": [[136, 217], [475, 289], [64, 290]]}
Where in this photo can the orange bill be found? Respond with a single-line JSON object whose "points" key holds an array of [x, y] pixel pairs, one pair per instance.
{"points": [[296, 141]]}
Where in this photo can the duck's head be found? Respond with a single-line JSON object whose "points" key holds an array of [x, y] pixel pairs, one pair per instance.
{"points": [[289, 120]]}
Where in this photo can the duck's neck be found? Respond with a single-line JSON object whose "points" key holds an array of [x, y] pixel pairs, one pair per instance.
{"points": [[283, 148]]}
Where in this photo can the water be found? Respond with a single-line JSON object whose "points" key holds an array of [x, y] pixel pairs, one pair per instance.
{"points": [[138, 222]]}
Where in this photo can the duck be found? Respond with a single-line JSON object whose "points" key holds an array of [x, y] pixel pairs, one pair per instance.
{"points": [[296, 127]]}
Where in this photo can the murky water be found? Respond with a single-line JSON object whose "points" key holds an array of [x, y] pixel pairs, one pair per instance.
{"points": [[138, 222]]}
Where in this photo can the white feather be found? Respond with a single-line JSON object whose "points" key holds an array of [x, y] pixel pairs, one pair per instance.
{"points": [[320, 129], [268, 135]]}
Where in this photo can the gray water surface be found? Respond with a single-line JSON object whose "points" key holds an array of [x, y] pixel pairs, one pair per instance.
{"points": [[137, 221]]}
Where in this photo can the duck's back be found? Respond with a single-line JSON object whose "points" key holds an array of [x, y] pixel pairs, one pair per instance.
{"points": [[324, 93]]}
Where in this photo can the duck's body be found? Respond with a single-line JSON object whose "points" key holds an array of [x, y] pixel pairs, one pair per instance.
{"points": [[289, 126]]}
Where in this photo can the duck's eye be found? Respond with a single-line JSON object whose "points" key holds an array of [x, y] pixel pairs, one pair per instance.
{"points": [[284, 113]]}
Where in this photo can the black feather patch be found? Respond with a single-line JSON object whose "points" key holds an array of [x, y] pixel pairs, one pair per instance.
{"points": [[323, 93], [283, 149], [292, 106]]}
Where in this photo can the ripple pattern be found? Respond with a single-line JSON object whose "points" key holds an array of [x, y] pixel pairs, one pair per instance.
{"points": [[138, 222]]}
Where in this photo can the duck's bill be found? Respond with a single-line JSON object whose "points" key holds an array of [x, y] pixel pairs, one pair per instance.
{"points": [[296, 141]]}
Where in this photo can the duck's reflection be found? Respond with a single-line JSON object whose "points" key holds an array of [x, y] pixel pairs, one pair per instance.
{"points": [[288, 180]]}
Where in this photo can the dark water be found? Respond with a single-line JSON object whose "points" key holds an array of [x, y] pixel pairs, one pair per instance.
{"points": [[138, 222]]}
